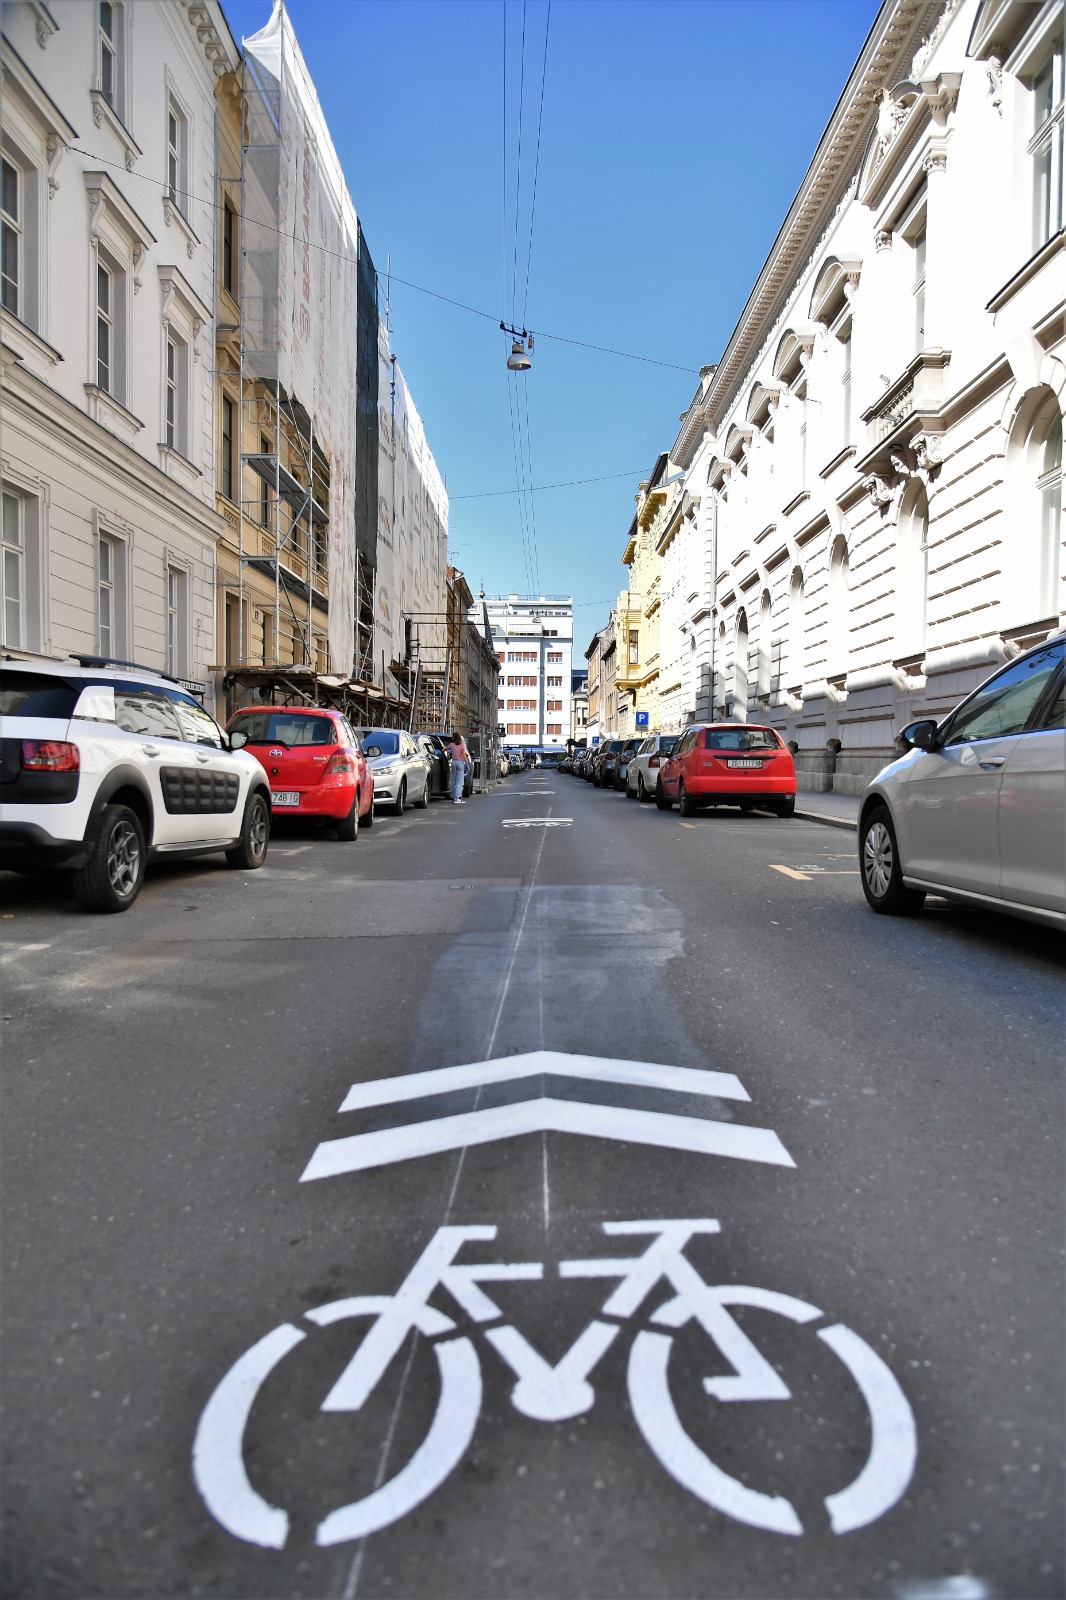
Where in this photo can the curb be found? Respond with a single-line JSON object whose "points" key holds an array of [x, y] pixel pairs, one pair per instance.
{"points": [[829, 822]]}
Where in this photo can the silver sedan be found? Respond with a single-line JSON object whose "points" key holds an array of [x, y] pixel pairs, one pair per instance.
{"points": [[976, 809], [400, 768]]}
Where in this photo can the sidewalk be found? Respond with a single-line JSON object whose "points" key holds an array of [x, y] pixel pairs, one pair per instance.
{"points": [[837, 810]]}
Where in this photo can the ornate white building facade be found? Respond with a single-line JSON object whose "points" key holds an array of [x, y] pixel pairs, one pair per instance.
{"points": [[107, 424], [871, 518]]}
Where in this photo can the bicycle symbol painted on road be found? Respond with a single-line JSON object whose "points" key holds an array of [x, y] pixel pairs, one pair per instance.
{"points": [[554, 1393]]}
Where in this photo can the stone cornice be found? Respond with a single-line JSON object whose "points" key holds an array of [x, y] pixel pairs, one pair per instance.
{"points": [[885, 59], [207, 22]]}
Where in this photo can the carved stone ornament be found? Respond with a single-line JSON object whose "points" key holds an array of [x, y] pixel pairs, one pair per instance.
{"points": [[96, 211], [882, 490], [98, 113], [883, 239], [927, 455], [167, 297], [851, 282], [935, 161], [138, 257], [890, 114], [994, 68], [197, 329], [54, 148]]}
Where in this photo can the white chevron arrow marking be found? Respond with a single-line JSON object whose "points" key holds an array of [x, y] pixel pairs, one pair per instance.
{"points": [[542, 1113]]}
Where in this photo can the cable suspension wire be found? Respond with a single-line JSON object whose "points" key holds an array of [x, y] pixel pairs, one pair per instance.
{"points": [[518, 480], [532, 497], [539, 488], [536, 164], [406, 283], [518, 166], [503, 185]]}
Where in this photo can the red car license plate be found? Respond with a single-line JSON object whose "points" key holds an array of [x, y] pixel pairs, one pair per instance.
{"points": [[756, 764], [285, 797]]}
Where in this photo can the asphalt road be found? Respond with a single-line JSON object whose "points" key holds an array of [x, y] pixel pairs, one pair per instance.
{"points": [[837, 1372]]}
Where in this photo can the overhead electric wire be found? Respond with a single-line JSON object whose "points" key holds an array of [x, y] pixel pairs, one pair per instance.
{"points": [[406, 283], [518, 164], [539, 488], [536, 164], [532, 496]]}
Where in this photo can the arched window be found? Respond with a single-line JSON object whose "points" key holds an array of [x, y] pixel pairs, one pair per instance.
{"points": [[1049, 487], [1034, 506], [740, 666], [797, 629], [912, 571], [839, 609], [765, 647]]}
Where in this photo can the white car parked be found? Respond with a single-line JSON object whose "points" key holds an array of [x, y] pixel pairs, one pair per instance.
{"points": [[105, 765], [976, 809]]}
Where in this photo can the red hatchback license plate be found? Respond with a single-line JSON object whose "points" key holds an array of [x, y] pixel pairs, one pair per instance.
{"points": [[285, 797], [756, 764]]}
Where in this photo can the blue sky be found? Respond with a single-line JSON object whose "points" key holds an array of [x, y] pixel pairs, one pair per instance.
{"points": [[675, 135]]}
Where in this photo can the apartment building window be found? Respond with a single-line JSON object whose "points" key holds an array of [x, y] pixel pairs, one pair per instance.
{"points": [[229, 249], [108, 597], [634, 647], [845, 383], [105, 327], [1049, 486], [177, 155], [553, 655], [177, 620], [108, 42], [1046, 147], [264, 487], [226, 462], [14, 570], [554, 683], [177, 395], [10, 236], [554, 705], [554, 727], [918, 288]]}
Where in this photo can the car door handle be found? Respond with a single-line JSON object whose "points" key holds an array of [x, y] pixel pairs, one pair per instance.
{"points": [[150, 749], [202, 759], [994, 761]]}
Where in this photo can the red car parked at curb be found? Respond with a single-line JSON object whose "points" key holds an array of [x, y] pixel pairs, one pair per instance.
{"points": [[728, 764], [314, 761]]}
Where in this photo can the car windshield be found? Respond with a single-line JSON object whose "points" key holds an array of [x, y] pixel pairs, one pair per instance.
{"points": [[283, 727], [386, 740], [36, 694]]}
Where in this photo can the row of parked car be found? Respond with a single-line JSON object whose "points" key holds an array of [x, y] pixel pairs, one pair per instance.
{"points": [[105, 766], [710, 764]]}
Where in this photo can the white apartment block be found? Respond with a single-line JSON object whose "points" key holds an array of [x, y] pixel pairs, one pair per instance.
{"points": [[871, 517], [109, 242], [533, 636]]}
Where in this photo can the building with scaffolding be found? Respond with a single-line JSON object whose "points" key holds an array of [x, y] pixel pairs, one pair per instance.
{"points": [[335, 514]]}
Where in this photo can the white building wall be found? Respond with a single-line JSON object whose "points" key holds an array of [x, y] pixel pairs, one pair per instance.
{"points": [[539, 627], [80, 461], [810, 500]]}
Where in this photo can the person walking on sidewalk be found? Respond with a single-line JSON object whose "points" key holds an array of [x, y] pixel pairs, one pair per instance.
{"points": [[459, 756]]}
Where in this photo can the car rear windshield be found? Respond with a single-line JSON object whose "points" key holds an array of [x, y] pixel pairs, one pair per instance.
{"points": [[742, 739], [281, 727], [387, 741], [37, 694]]}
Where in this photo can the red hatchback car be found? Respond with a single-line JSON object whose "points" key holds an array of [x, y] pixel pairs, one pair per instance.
{"points": [[314, 761], [728, 764]]}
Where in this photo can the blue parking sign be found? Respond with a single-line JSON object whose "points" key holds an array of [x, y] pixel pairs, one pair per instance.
{"points": [[642, 719]]}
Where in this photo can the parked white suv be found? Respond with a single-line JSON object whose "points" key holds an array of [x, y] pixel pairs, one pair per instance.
{"points": [[105, 765]]}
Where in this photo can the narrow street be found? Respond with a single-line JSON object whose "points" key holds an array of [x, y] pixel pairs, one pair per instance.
{"points": [[861, 1154]]}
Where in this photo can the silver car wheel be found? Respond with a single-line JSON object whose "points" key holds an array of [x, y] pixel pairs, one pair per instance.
{"points": [[878, 859], [123, 859]]}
